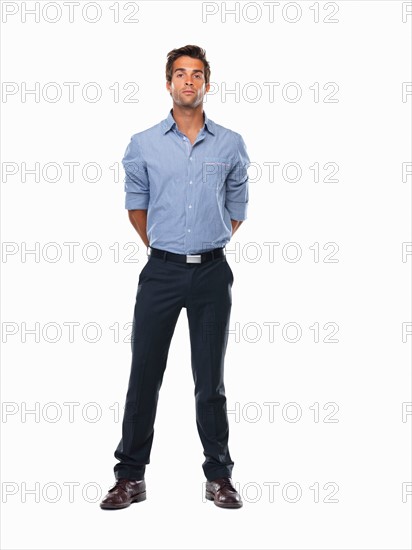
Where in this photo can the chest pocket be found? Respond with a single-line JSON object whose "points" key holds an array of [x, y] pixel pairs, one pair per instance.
{"points": [[214, 171]]}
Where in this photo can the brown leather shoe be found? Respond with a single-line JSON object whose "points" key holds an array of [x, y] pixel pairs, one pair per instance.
{"points": [[222, 492], [123, 493]]}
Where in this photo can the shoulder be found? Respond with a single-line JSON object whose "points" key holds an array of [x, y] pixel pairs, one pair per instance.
{"points": [[142, 141], [230, 141], [229, 136], [148, 133], [226, 132]]}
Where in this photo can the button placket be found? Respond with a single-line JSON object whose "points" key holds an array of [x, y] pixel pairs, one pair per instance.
{"points": [[189, 192]]}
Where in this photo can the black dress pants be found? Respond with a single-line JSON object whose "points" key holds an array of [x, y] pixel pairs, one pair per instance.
{"points": [[164, 287]]}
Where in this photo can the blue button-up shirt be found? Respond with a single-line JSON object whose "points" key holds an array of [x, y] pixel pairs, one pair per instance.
{"points": [[191, 192]]}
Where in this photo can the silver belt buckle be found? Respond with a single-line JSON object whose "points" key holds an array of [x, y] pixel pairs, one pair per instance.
{"points": [[193, 258]]}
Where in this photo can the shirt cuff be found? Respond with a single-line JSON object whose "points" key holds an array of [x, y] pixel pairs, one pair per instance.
{"points": [[137, 201], [237, 210]]}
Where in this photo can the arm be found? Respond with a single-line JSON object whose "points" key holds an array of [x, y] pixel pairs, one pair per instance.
{"points": [[237, 186], [137, 188], [235, 225], [138, 219]]}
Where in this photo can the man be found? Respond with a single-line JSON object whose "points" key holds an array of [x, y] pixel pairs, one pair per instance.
{"points": [[187, 193]]}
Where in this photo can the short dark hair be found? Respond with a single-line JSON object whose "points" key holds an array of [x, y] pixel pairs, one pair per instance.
{"points": [[191, 51]]}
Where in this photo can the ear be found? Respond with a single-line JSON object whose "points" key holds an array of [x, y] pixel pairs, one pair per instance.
{"points": [[168, 86], [207, 87]]}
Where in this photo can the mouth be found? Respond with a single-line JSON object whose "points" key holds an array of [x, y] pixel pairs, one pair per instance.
{"points": [[188, 92]]}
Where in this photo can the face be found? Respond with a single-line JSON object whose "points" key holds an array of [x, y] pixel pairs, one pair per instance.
{"points": [[188, 76]]}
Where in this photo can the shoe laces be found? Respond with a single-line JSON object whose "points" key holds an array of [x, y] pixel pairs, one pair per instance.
{"points": [[226, 482], [120, 484]]}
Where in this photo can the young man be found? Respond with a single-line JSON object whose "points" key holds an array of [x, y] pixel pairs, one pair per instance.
{"points": [[187, 193]]}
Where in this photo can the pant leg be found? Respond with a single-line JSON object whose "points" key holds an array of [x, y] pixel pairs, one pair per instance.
{"points": [[208, 310], [157, 308]]}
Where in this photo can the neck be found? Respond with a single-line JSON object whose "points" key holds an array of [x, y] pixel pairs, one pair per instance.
{"points": [[187, 118]]}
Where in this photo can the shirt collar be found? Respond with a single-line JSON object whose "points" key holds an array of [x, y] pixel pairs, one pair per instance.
{"points": [[169, 122]]}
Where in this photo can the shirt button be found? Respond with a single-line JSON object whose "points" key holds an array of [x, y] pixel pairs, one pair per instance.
{"points": [[190, 182], [190, 158], [184, 139], [190, 206], [189, 230]]}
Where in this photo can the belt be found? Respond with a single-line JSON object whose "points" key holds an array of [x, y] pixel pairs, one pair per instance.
{"points": [[186, 258]]}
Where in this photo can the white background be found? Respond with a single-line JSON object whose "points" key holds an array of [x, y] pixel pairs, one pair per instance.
{"points": [[362, 289]]}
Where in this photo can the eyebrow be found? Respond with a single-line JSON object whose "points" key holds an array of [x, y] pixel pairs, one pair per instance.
{"points": [[193, 70]]}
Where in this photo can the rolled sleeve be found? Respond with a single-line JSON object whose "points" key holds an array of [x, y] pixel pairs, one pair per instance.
{"points": [[136, 182], [237, 184]]}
